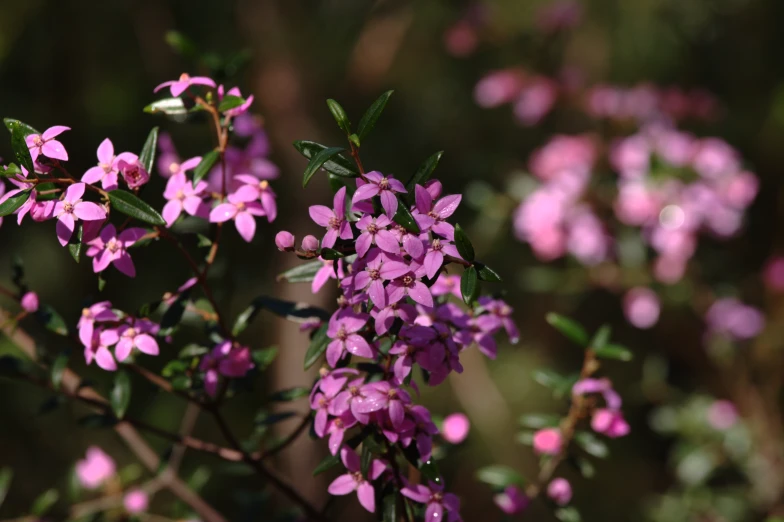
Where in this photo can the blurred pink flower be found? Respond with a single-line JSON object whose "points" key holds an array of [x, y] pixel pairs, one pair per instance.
{"points": [[560, 491], [641, 307], [722, 415], [512, 500], [547, 441], [136, 501], [95, 468], [455, 428]]}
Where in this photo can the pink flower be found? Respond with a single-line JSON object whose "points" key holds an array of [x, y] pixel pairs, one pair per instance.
{"points": [[456, 427], [773, 274], [136, 501], [98, 349], [182, 195], [177, 87], [434, 258], [99, 312], [374, 232], [354, 481], [133, 172], [29, 302], [447, 284], [285, 241], [71, 208], [181, 168], [512, 500], [343, 330], [46, 145], [384, 396], [333, 219], [111, 248], [409, 285], [226, 359], [236, 111], [560, 491], [136, 336], [547, 441], [641, 307], [336, 429], [380, 185], [242, 208], [609, 422], [95, 468], [722, 415], [261, 190], [734, 319], [498, 87], [326, 272], [108, 166], [436, 500]]}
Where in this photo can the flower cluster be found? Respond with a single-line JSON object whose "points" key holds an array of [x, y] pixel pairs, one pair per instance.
{"points": [[98, 468], [395, 312]]}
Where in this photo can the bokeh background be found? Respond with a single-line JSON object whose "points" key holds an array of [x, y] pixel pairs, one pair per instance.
{"points": [[92, 66]]}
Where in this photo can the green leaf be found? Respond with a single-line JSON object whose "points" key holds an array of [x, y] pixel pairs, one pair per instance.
{"points": [[52, 192], [540, 420], [318, 161], [423, 174], [390, 508], [337, 165], [318, 345], [10, 170], [290, 394], [371, 116], [6, 474], [10, 205], [263, 358], [52, 320], [75, 244], [614, 351], [340, 115], [147, 157], [560, 384], [569, 328], [230, 102], [463, 244], [58, 367], [129, 204], [584, 466], [592, 444], [303, 273], [468, 285], [500, 476], [297, 312], [568, 514], [120, 397], [205, 165], [44, 502], [19, 131], [328, 462], [601, 338], [330, 254], [167, 106], [203, 241], [353, 138], [404, 218], [486, 273]]}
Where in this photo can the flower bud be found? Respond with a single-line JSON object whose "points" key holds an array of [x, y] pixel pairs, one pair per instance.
{"points": [[610, 423], [560, 491], [136, 501], [310, 244], [455, 428], [285, 241], [547, 441], [641, 307], [42, 210], [512, 500], [29, 302], [133, 173]]}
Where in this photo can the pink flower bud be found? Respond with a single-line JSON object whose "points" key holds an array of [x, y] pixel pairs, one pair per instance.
{"points": [[29, 302], [641, 307], [512, 500], [310, 243], [284, 241], [455, 429], [136, 501], [547, 441], [133, 173], [560, 491], [610, 423], [722, 415]]}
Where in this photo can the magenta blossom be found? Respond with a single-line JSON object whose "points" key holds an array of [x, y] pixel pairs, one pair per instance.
{"points": [[136, 501], [177, 87], [548, 441], [95, 469], [609, 422], [325, 273], [436, 500], [98, 350], [108, 166], [560, 491], [29, 302], [382, 186], [512, 500], [182, 195], [333, 219], [433, 216], [455, 428], [226, 359], [136, 336], [242, 208], [241, 109], [71, 208], [354, 481], [111, 248], [409, 285], [97, 313], [434, 258], [384, 396], [45, 144], [343, 328], [374, 232], [261, 190], [133, 172]]}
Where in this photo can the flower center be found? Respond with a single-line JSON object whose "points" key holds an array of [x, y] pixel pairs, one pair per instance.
{"points": [[433, 215], [184, 77], [107, 167], [264, 185], [374, 273], [335, 222], [383, 184], [408, 280], [38, 141], [68, 207], [357, 476], [323, 402], [354, 391], [339, 424], [392, 394], [436, 245], [86, 312], [113, 245], [180, 195], [130, 332], [437, 497], [342, 335], [372, 228], [240, 206]]}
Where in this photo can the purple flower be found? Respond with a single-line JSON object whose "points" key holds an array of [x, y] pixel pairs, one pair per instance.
{"points": [[380, 185], [333, 219], [354, 481], [342, 328], [99, 312], [133, 172], [434, 258], [226, 359], [409, 285], [71, 208], [108, 166], [325, 273], [29, 302], [433, 216], [45, 144], [136, 336], [111, 248], [374, 232], [262, 191], [609, 422], [336, 428], [384, 396], [436, 500], [329, 385], [641, 307], [177, 87], [512, 500], [182, 195], [242, 208], [98, 350], [236, 111], [371, 279], [560, 491]]}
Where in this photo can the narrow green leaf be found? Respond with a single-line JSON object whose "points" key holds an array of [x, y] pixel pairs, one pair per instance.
{"points": [[120, 397], [486, 273], [371, 116], [338, 165], [229, 102], [390, 508], [468, 285], [317, 161], [463, 244], [500, 476], [569, 328], [330, 254], [6, 474], [340, 115], [568, 514], [147, 157], [75, 244], [328, 462], [263, 358], [290, 394], [205, 165], [539, 420], [12, 204], [353, 138], [9, 170], [423, 173], [167, 106], [19, 131], [203, 241], [303, 273], [58, 367], [592, 444], [614, 351], [601, 337], [44, 502], [404, 218], [52, 320], [318, 345], [129, 204], [297, 312]]}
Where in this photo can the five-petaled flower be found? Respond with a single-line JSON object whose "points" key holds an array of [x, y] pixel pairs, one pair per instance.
{"points": [[379, 185], [355, 481], [177, 87], [183, 195], [112, 248], [241, 207], [333, 219], [45, 144], [108, 166], [71, 208]]}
